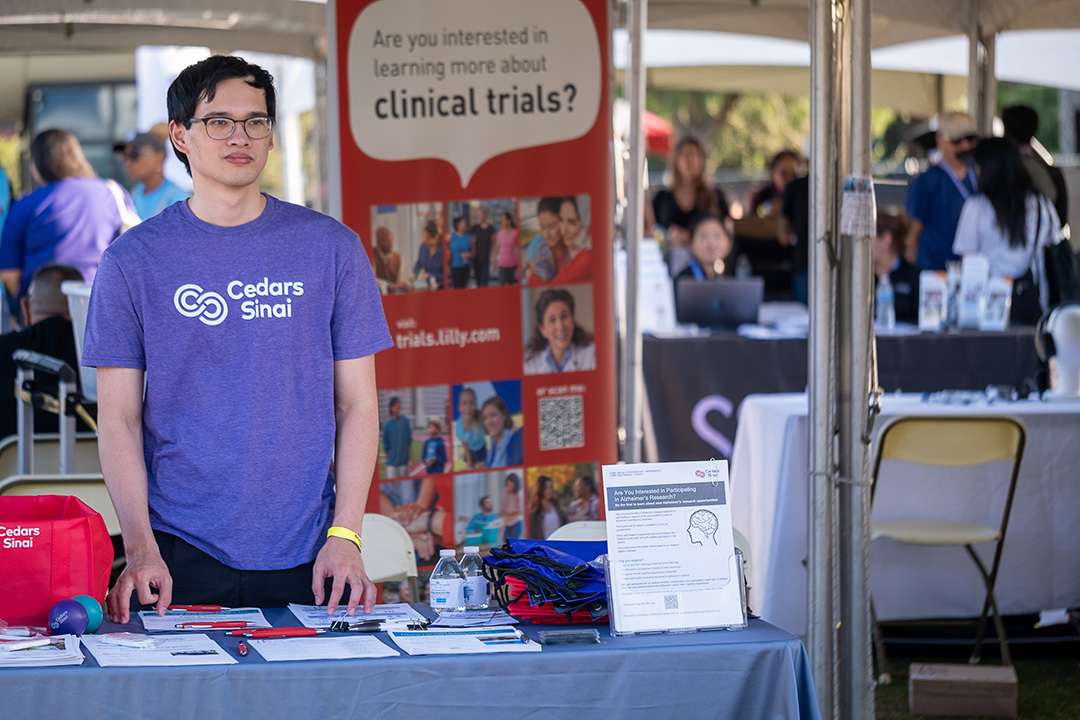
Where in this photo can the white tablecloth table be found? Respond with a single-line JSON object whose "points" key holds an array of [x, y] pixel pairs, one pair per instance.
{"points": [[1040, 566]]}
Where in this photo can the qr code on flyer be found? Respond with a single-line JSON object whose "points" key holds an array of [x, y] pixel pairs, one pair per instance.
{"points": [[562, 422]]}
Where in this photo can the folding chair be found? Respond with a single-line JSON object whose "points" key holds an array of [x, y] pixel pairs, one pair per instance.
{"points": [[951, 442], [389, 555]]}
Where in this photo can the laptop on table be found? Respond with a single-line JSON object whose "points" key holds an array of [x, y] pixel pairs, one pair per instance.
{"points": [[724, 303]]}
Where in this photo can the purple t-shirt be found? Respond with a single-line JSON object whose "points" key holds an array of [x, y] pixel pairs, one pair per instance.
{"points": [[70, 221], [237, 329]]}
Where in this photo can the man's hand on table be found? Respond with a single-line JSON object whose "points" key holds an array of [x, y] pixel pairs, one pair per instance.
{"points": [[142, 574], [340, 559]]}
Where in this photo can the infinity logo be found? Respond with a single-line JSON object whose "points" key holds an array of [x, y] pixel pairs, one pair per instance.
{"points": [[191, 301]]}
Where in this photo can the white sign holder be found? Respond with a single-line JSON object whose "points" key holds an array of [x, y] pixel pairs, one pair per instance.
{"points": [[671, 562]]}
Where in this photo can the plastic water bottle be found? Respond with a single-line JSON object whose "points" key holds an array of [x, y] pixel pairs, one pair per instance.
{"points": [[447, 585], [476, 585], [885, 303], [742, 267]]}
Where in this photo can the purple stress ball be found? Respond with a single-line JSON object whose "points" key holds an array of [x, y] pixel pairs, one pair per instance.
{"points": [[68, 617]]}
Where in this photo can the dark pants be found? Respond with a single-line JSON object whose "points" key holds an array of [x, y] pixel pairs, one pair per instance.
{"points": [[459, 277], [481, 267], [199, 579], [507, 275]]}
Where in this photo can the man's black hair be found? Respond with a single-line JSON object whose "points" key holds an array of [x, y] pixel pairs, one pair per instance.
{"points": [[1021, 122], [199, 81]]}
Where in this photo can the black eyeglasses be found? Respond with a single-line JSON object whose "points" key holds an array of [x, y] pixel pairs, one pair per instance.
{"points": [[222, 128], [966, 138]]}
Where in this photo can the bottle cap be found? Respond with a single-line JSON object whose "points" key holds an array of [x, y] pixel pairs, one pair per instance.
{"points": [[448, 552], [469, 549]]}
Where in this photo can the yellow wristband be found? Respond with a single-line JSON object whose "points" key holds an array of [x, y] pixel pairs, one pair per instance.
{"points": [[347, 534]]}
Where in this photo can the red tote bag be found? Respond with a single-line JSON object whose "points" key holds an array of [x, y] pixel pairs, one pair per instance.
{"points": [[52, 547]]}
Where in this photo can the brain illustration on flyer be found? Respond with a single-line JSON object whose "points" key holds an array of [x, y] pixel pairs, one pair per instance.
{"points": [[476, 168]]}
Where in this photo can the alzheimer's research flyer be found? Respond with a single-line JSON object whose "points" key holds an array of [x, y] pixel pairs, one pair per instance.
{"points": [[671, 557]]}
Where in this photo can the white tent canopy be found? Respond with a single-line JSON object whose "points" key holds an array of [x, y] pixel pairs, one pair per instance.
{"points": [[894, 22]]}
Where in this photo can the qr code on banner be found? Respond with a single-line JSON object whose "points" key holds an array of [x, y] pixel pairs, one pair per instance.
{"points": [[562, 422], [671, 602]]}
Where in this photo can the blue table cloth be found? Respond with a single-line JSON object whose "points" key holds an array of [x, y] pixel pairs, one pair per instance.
{"points": [[760, 672]]}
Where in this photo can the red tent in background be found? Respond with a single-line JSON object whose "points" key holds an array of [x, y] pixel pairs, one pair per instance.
{"points": [[658, 132]]}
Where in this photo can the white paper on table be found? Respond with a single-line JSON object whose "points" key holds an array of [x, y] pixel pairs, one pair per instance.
{"points": [[473, 618], [169, 650], [933, 300], [671, 557], [998, 302], [41, 651], [314, 616], [974, 274], [322, 648], [152, 622], [472, 641]]}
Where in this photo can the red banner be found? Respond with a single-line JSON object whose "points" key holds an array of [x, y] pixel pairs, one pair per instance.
{"points": [[476, 167]]}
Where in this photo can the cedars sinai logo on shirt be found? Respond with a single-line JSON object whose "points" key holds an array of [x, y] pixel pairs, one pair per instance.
{"points": [[192, 301], [261, 299]]}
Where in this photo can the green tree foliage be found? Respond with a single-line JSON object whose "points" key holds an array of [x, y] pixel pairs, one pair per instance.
{"points": [[739, 130]]}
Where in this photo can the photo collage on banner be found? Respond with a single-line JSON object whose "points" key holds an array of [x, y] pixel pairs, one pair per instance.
{"points": [[476, 170]]}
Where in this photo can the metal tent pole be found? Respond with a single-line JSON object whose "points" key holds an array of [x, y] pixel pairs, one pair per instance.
{"points": [[635, 222], [820, 615], [974, 78], [856, 332]]}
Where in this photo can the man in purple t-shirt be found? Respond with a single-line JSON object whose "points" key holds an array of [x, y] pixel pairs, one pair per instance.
{"points": [[242, 477]]}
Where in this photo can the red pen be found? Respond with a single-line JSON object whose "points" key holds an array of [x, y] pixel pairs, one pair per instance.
{"points": [[283, 632], [216, 624], [243, 648], [197, 608]]}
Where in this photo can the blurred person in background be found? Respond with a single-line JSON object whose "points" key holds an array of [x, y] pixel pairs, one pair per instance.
{"points": [[690, 195], [144, 163], [710, 250], [1008, 220], [767, 200], [889, 260], [48, 331], [70, 219], [1021, 123], [934, 199]]}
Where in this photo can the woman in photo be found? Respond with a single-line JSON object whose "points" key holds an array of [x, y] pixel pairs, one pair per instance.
{"points": [[469, 430], [586, 503], [710, 251], [574, 226], [547, 255], [508, 250], [428, 270], [511, 507], [461, 253], [558, 343], [545, 517], [506, 445]]}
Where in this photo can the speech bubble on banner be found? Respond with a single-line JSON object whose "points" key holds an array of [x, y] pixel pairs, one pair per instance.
{"points": [[467, 80]]}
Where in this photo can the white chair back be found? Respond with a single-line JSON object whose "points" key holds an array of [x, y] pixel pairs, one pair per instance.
{"points": [[388, 552]]}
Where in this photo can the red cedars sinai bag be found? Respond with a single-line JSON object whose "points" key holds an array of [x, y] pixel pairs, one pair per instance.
{"points": [[52, 547]]}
